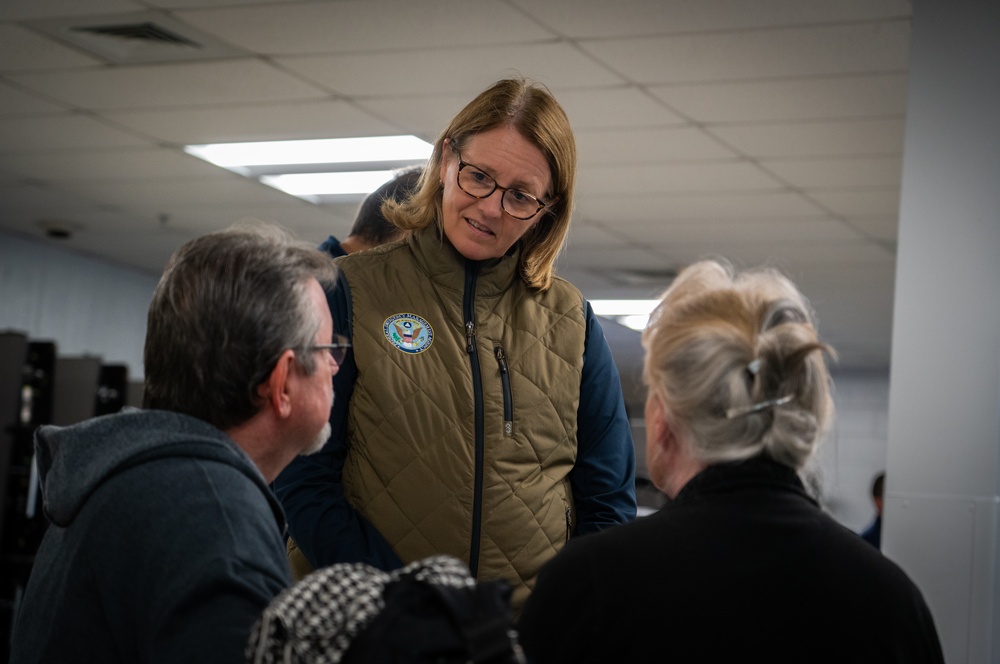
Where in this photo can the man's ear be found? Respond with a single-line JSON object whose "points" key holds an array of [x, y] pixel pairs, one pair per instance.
{"points": [[275, 390]]}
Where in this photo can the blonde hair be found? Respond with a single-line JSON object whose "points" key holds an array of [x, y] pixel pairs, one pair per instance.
{"points": [[737, 360], [532, 111]]}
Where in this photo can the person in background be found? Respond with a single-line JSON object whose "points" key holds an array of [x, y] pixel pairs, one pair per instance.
{"points": [[479, 412], [371, 228], [742, 564], [873, 533], [165, 541]]}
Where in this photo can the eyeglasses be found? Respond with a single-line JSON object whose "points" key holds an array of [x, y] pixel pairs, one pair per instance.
{"points": [[337, 350], [518, 204]]}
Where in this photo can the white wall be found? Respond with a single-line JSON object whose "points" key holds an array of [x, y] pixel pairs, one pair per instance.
{"points": [[855, 450], [88, 307], [942, 511]]}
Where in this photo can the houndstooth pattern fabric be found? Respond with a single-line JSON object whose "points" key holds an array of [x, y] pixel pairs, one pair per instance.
{"points": [[316, 619]]}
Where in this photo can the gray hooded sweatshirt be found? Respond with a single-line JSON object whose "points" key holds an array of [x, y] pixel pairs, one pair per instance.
{"points": [[164, 545]]}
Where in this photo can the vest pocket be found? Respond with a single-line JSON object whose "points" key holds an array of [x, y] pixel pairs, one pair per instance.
{"points": [[508, 398]]}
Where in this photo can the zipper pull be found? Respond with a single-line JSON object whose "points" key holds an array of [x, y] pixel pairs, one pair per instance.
{"points": [[470, 337], [501, 358], [508, 400]]}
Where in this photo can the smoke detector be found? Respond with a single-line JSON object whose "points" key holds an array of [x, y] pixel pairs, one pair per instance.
{"points": [[136, 38]]}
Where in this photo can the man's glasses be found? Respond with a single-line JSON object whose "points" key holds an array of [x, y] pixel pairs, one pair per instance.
{"points": [[337, 349], [518, 204]]}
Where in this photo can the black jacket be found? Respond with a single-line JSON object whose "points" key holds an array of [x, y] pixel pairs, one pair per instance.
{"points": [[742, 566]]}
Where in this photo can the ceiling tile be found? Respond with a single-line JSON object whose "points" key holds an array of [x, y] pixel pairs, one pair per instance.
{"points": [[798, 99], [878, 227], [159, 196], [17, 10], [24, 206], [759, 54], [103, 165], [423, 116], [14, 102], [300, 214], [815, 139], [470, 70], [187, 84], [597, 258], [366, 25], [630, 209], [62, 132], [873, 202], [837, 173], [257, 122], [599, 18], [23, 50], [783, 255], [620, 179], [147, 249], [790, 230], [614, 108], [647, 145], [582, 234]]}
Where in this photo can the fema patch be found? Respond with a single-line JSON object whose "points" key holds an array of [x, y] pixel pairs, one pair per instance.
{"points": [[408, 332]]}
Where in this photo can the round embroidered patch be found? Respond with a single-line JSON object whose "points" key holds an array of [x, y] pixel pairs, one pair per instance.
{"points": [[408, 332]]}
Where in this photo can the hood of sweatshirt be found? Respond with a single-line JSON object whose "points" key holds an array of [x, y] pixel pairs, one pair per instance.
{"points": [[74, 461]]}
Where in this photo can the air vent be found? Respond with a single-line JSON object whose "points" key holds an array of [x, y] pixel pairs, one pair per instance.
{"points": [[148, 32], [137, 38]]}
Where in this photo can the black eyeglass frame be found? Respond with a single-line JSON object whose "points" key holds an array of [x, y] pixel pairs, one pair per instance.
{"points": [[496, 185], [338, 349]]}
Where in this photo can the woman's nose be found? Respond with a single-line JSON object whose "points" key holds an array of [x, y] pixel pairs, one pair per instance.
{"points": [[493, 204]]}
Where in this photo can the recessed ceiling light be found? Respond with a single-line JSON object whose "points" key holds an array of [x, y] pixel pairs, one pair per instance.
{"points": [[315, 185], [319, 168]]}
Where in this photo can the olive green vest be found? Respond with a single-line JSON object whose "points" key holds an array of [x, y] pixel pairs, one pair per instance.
{"points": [[429, 387]]}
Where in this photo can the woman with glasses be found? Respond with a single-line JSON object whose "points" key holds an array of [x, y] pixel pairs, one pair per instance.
{"points": [[741, 565], [479, 412]]}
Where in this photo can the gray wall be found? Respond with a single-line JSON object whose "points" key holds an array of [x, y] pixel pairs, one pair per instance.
{"points": [[943, 477], [88, 307]]}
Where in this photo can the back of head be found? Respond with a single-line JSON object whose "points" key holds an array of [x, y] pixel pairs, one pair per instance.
{"points": [[370, 224], [737, 361], [878, 486], [228, 304], [531, 110]]}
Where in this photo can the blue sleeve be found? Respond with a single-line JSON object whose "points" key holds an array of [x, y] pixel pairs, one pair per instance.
{"points": [[603, 479], [323, 523]]}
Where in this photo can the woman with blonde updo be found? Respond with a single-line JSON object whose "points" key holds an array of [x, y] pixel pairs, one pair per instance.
{"points": [[741, 564]]}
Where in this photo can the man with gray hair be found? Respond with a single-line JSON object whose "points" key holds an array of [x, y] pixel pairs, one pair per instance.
{"points": [[165, 542]]}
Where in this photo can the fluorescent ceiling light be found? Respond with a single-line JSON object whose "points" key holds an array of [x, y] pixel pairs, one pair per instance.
{"points": [[320, 151], [630, 313], [328, 170], [328, 184]]}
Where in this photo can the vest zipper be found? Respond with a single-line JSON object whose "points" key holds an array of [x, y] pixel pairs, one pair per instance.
{"points": [[508, 398], [469, 311], [569, 523]]}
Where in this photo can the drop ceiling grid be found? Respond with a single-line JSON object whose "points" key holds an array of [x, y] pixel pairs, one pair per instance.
{"points": [[701, 127]]}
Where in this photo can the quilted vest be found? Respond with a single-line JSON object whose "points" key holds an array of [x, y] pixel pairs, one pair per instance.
{"points": [[462, 426]]}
